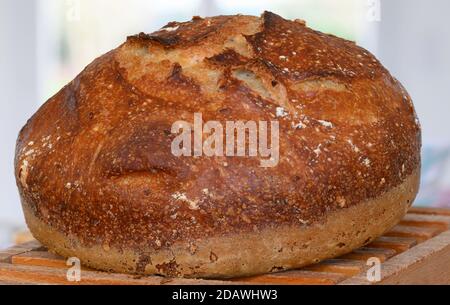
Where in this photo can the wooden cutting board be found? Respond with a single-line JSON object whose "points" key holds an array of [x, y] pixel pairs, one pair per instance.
{"points": [[416, 251]]}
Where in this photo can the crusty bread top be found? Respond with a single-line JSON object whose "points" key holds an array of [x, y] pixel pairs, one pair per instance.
{"points": [[95, 160]]}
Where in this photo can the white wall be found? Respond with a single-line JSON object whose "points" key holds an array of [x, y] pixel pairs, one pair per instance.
{"points": [[414, 44], [17, 96]]}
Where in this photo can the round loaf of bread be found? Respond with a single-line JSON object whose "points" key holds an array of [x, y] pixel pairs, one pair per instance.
{"points": [[98, 178]]}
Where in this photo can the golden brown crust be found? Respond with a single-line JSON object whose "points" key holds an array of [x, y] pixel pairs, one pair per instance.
{"points": [[95, 161]]}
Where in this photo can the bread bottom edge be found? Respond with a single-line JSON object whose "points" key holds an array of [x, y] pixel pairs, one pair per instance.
{"points": [[245, 254]]}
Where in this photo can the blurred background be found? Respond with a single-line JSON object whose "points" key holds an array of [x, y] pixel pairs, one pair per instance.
{"points": [[44, 44]]}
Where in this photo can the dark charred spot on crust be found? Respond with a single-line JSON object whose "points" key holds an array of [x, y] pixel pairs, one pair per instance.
{"points": [[171, 24], [213, 257], [176, 73], [168, 40], [269, 66], [227, 80], [169, 269], [187, 33], [145, 38], [142, 262], [228, 57], [163, 38], [225, 111], [177, 77], [271, 20], [131, 102], [144, 145]]}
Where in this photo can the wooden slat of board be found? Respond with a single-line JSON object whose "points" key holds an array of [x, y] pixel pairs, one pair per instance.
{"points": [[365, 253], [18, 249], [419, 233], [425, 220], [12, 283], [399, 244], [28, 246], [47, 275], [426, 263], [343, 266], [41, 258], [296, 277], [430, 211]]}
